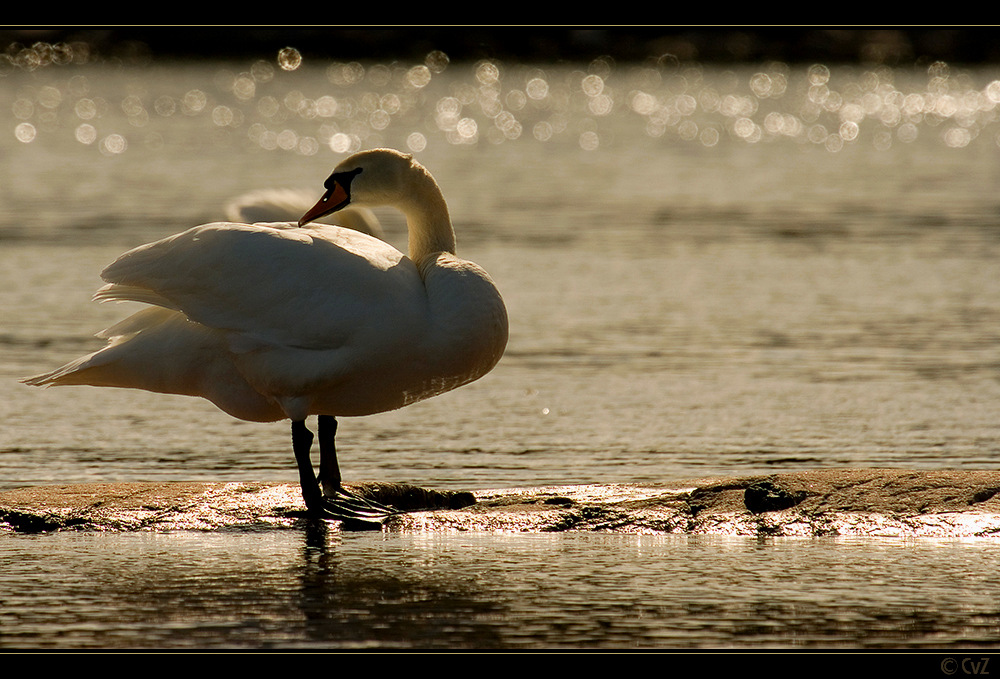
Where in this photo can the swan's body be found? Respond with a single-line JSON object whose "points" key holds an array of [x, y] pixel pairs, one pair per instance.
{"points": [[274, 321], [284, 205]]}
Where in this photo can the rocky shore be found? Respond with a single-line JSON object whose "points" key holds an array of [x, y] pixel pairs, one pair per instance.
{"points": [[844, 502]]}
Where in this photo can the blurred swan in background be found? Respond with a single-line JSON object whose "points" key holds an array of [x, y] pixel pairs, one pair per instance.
{"points": [[287, 205]]}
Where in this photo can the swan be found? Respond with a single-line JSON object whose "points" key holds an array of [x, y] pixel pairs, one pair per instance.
{"points": [[279, 205], [282, 321]]}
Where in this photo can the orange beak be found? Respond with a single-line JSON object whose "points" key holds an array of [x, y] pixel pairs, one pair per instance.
{"points": [[333, 200]]}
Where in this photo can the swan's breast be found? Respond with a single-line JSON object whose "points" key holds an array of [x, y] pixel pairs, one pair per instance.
{"points": [[469, 328]]}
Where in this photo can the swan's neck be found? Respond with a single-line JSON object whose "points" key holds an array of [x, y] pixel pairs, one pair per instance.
{"points": [[427, 220]]}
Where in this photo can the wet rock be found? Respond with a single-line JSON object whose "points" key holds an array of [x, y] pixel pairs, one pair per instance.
{"points": [[765, 496], [146, 506], [867, 502], [409, 498], [863, 502], [198, 506]]}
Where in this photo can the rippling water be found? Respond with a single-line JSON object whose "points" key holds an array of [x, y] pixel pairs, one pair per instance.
{"points": [[708, 271], [364, 591]]}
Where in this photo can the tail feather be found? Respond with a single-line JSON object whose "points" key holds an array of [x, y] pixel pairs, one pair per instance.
{"points": [[113, 292], [81, 370], [136, 323], [67, 374]]}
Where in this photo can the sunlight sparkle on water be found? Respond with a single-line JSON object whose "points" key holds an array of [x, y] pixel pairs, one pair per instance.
{"points": [[289, 59], [25, 132], [364, 104], [86, 133]]}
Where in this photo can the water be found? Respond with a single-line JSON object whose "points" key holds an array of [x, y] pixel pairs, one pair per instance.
{"points": [[695, 287], [363, 591]]}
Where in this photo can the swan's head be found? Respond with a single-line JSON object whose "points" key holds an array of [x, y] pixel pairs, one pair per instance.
{"points": [[375, 177]]}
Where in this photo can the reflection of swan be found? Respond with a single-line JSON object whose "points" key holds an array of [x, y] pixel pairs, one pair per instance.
{"points": [[275, 321], [282, 205]]}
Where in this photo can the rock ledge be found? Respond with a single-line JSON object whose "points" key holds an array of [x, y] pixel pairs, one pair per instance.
{"points": [[846, 502]]}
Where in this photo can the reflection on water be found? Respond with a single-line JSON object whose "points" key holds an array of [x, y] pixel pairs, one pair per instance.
{"points": [[276, 590], [708, 271]]}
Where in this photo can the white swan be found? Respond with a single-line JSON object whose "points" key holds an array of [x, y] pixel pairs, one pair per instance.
{"points": [[275, 321], [280, 205]]}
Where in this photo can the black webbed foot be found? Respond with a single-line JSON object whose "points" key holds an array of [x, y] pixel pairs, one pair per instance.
{"points": [[356, 512]]}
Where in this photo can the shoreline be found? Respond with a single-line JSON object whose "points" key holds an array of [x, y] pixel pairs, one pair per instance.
{"points": [[825, 502]]}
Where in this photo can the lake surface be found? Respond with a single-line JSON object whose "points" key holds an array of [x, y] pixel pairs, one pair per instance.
{"points": [[279, 590], [708, 271]]}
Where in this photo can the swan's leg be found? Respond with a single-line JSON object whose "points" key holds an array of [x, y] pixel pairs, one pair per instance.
{"points": [[329, 474], [302, 440], [329, 468]]}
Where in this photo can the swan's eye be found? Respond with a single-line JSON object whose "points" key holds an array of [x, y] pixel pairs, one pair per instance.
{"points": [[342, 178]]}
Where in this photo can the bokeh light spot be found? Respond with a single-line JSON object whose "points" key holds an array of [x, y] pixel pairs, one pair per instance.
{"points": [[23, 108], [244, 87], [194, 102], [818, 74], [437, 61], [467, 128], [85, 109], [537, 88], [907, 133], [487, 72], [379, 120], [114, 144], [957, 137], [345, 75], [223, 116], [340, 143], [542, 131], [592, 85], [85, 133], [308, 146], [709, 137], [165, 106], [49, 97], [418, 76], [289, 58], [416, 142], [262, 71], [25, 132]]}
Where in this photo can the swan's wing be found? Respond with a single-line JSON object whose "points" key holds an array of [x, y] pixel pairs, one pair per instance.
{"points": [[311, 287]]}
